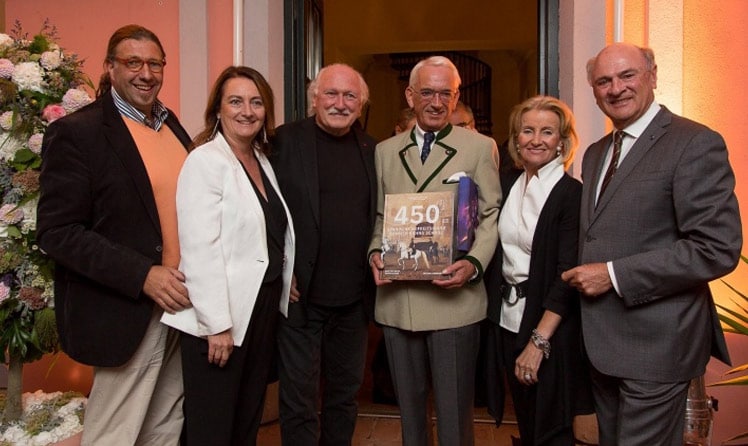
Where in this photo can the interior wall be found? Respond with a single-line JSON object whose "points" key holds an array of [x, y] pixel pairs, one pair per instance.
{"points": [[504, 35], [715, 41], [85, 30]]}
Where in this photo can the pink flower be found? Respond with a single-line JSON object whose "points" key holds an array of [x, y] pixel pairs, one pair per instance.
{"points": [[6, 68], [10, 214], [35, 143], [75, 99], [4, 291], [53, 112]]}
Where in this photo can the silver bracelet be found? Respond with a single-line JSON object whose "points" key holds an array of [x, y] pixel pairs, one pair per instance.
{"points": [[541, 343]]}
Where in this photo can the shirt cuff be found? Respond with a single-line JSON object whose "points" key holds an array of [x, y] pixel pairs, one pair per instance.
{"points": [[612, 275]]}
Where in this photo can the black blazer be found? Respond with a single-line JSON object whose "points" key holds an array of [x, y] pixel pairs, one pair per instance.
{"points": [[97, 219], [294, 160], [562, 390]]}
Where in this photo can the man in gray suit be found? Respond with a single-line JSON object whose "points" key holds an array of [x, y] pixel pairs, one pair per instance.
{"points": [[432, 327], [659, 220]]}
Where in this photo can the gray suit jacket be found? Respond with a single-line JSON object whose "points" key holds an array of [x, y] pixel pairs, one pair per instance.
{"points": [[669, 222], [419, 305]]}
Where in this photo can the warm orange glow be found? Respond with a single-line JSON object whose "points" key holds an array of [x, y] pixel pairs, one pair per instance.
{"points": [[635, 27], [714, 80]]}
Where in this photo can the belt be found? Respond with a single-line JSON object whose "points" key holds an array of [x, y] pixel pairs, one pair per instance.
{"points": [[520, 291]]}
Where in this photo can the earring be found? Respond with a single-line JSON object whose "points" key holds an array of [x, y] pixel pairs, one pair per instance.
{"points": [[558, 150], [215, 127]]}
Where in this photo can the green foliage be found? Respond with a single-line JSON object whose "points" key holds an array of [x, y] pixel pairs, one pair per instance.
{"points": [[736, 322]]}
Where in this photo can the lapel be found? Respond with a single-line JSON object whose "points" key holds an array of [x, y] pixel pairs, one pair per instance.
{"points": [[121, 142], [643, 144], [308, 144], [422, 174], [242, 177], [367, 158]]}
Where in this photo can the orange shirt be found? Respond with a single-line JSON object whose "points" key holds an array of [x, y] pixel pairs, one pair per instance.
{"points": [[163, 156]]}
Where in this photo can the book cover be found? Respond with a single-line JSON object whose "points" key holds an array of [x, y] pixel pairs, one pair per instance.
{"points": [[467, 214], [417, 235]]}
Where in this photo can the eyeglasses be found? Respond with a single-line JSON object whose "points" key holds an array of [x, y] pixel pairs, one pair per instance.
{"points": [[428, 94], [136, 64]]}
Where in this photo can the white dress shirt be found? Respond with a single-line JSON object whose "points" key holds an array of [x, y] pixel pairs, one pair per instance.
{"points": [[517, 223]]}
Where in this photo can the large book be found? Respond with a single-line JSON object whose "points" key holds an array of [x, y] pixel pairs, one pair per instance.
{"points": [[417, 237], [467, 214]]}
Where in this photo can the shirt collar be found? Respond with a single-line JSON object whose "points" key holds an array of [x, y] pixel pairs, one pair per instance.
{"points": [[419, 132], [549, 174], [637, 127], [159, 111]]}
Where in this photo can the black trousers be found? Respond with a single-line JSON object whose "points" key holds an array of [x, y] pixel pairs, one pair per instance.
{"points": [[330, 347], [525, 397], [223, 405]]}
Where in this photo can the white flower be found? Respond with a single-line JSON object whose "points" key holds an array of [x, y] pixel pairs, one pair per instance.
{"points": [[74, 99], [28, 76], [5, 40], [42, 439], [6, 120], [6, 68], [50, 60], [35, 142], [29, 215], [15, 435], [9, 146]]}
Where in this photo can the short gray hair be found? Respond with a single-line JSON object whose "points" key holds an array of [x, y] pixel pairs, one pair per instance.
{"points": [[312, 90], [434, 61]]}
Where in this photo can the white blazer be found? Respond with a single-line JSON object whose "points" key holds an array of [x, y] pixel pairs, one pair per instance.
{"points": [[223, 242]]}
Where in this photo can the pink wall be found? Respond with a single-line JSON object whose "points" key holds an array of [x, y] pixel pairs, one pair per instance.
{"points": [[220, 37], [85, 27]]}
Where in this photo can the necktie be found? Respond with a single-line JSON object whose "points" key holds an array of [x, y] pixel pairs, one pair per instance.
{"points": [[617, 144], [428, 138]]}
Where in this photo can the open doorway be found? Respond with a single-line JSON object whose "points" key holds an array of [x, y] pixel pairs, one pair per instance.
{"points": [[511, 46], [515, 39]]}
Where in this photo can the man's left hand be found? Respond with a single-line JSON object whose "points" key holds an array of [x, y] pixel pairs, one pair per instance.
{"points": [[461, 271]]}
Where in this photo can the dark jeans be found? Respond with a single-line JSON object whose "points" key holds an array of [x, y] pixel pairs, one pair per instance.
{"points": [[331, 346]]}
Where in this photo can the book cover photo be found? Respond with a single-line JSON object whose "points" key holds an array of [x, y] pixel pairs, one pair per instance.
{"points": [[417, 235]]}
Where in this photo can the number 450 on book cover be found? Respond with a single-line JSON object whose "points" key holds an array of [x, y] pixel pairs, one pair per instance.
{"points": [[422, 232]]}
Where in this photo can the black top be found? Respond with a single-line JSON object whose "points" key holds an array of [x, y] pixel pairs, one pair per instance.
{"points": [[344, 221], [276, 223]]}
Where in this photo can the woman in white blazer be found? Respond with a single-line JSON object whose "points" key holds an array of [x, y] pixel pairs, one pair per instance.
{"points": [[237, 251]]}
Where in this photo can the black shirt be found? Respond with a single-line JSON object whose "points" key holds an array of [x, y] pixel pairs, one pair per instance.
{"points": [[340, 274]]}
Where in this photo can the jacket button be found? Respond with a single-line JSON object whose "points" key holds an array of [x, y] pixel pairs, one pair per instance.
{"points": [[159, 248]]}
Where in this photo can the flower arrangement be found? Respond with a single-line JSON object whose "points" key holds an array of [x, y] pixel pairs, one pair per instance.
{"points": [[48, 418], [39, 83]]}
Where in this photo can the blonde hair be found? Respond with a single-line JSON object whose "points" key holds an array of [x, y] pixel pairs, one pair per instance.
{"points": [[569, 139]]}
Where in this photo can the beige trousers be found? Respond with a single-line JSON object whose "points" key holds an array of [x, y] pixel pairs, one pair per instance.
{"points": [[139, 403]]}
